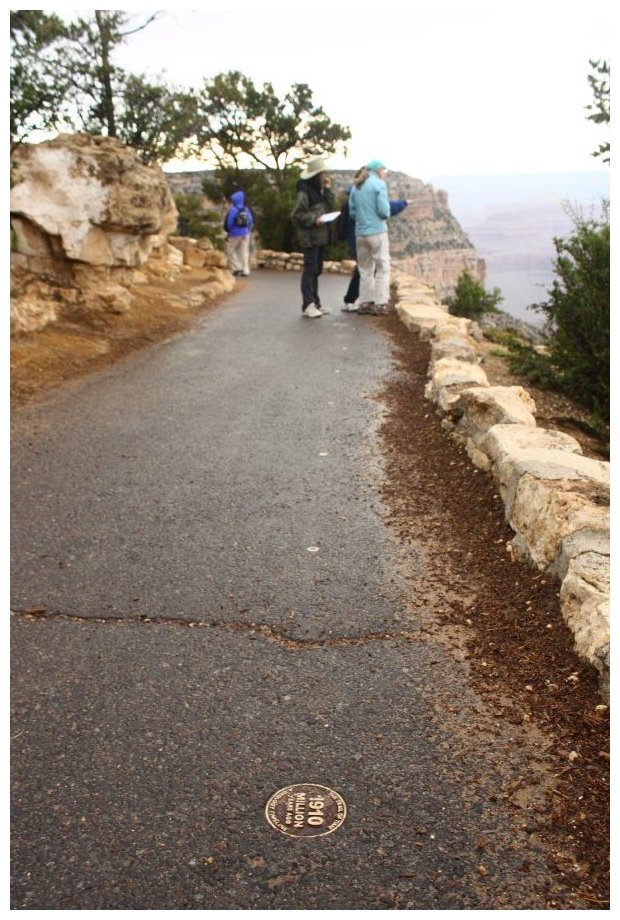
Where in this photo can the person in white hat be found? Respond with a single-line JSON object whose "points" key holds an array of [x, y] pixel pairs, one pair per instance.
{"points": [[314, 199], [369, 206]]}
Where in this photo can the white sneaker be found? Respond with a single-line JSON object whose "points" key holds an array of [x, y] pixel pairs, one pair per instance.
{"points": [[311, 311], [349, 308], [325, 311]]}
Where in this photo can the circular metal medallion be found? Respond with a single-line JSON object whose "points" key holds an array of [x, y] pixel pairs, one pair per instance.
{"points": [[306, 810]]}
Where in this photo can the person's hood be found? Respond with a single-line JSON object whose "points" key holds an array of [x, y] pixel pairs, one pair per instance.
{"points": [[238, 199]]}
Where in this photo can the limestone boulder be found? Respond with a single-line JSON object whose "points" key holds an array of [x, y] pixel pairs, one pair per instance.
{"points": [[215, 259], [39, 300], [420, 317], [102, 290], [461, 324], [408, 286], [448, 378], [194, 256], [89, 199], [182, 243], [198, 253], [454, 324], [551, 465], [543, 512], [577, 544], [481, 408], [263, 255], [33, 307], [584, 599], [448, 342], [167, 255], [504, 440]]}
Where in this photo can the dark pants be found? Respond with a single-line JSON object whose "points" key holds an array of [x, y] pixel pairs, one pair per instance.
{"points": [[313, 266], [353, 291]]}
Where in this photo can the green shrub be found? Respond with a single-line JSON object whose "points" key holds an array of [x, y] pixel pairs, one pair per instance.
{"points": [[577, 313], [196, 222], [500, 336], [537, 367], [470, 299]]}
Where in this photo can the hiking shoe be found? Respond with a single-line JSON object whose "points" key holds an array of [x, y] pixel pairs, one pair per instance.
{"points": [[367, 308], [381, 309], [311, 311], [349, 308]]}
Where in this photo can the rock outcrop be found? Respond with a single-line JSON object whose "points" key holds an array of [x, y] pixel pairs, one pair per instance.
{"points": [[88, 199], [90, 222]]}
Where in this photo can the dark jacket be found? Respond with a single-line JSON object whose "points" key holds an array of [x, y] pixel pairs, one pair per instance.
{"points": [[310, 204], [238, 202]]}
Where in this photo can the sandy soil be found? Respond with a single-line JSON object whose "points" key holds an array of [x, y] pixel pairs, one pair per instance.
{"points": [[46, 359]]}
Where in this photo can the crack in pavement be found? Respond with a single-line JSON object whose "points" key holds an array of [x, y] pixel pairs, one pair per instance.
{"points": [[254, 630]]}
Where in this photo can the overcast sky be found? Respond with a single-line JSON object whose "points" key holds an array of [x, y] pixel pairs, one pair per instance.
{"points": [[432, 87]]}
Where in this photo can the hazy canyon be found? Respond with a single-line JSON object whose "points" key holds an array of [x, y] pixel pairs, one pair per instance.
{"points": [[512, 221]]}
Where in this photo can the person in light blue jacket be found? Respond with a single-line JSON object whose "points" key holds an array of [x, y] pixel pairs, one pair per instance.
{"points": [[353, 291], [369, 206]]}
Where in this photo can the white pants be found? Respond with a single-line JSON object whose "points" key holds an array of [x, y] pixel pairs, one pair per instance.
{"points": [[238, 252], [373, 261]]}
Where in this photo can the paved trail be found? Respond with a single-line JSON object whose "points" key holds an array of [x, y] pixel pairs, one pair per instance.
{"points": [[208, 607]]}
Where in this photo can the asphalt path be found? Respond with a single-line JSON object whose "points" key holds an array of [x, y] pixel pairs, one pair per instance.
{"points": [[208, 607]]}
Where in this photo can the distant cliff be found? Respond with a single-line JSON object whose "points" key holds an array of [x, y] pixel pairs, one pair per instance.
{"points": [[426, 240]]}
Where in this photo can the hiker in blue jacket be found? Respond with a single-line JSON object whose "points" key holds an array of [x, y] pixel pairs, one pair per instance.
{"points": [[397, 205], [370, 208], [238, 224]]}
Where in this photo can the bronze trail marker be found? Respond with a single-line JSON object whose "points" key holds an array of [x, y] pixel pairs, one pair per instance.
{"points": [[306, 810]]}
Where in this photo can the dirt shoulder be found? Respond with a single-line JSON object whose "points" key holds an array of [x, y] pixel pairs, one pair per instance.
{"points": [[503, 615], [67, 350]]}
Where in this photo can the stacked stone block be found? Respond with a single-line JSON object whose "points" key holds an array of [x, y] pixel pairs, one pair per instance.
{"points": [[555, 499]]}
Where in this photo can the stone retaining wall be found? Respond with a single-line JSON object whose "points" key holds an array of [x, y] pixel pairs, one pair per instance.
{"points": [[294, 262], [555, 499]]}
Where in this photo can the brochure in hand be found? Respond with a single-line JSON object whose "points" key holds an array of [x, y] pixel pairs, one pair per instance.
{"points": [[327, 218]]}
